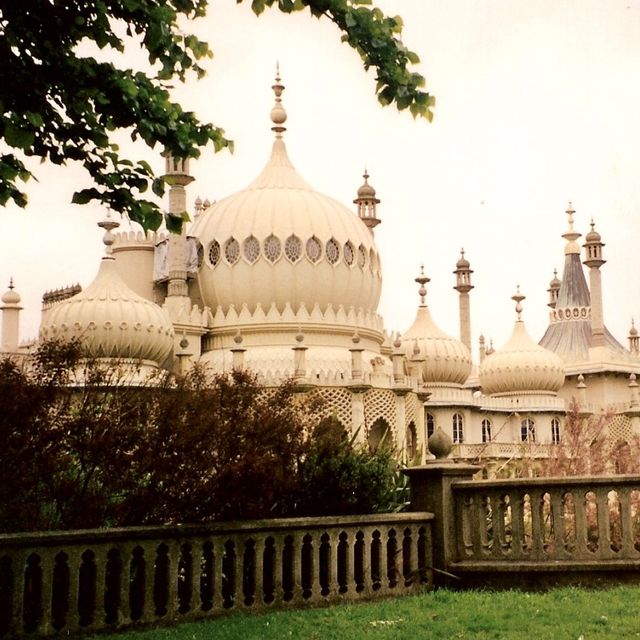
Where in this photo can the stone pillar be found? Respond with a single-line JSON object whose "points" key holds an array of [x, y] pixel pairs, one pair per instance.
{"points": [[238, 352], [594, 261], [299, 358], [356, 359], [634, 406], [431, 491], [463, 286], [357, 415]]}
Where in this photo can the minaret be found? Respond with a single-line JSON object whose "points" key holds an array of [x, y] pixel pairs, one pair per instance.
{"points": [[553, 290], [634, 339], [10, 319], [593, 247], [366, 203], [177, 177], [571, 235], [463, 286]]}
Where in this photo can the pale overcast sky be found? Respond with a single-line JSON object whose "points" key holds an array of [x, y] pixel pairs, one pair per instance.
{"points": [[538, 103]]}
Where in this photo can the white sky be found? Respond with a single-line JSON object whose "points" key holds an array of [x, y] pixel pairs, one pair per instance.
{"points": [[538, 102]]}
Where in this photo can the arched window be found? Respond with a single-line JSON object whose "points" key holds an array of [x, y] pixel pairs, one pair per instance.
{"points": [[431, 425], [410, 442], [486, 430], [528, 430], [555, 431], [458, 434], [379, 435]]}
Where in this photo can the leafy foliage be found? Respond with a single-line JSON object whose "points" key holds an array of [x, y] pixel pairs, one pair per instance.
{"points": [[189, 448], [60, 105], [340, 478]]}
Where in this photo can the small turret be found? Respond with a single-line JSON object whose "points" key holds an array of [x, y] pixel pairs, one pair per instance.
{"points": [[634, 339], [593, 248], [10, 319], [463, 286], [553, 290], [366, 203]]}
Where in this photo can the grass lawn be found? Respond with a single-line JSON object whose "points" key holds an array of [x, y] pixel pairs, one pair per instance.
{"points": [[571, 614]]}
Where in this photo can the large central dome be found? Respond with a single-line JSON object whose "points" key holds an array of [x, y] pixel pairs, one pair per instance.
{"points": [[279, 241]]}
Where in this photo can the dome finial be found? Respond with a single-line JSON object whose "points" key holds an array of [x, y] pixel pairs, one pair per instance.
{"points": [[108, 224], [571, 235], [278, 113], [422, 280], [518, 298], [11, 288]]}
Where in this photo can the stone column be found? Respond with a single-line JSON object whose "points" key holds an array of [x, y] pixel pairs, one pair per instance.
{"points": [[431, 491]]}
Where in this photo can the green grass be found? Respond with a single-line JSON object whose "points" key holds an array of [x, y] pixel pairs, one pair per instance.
{"points": [[571, 614]]}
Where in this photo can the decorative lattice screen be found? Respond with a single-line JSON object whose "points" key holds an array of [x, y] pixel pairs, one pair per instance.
{"points": [[410, 408], [338, 403], [380, 403], [619, 428]]}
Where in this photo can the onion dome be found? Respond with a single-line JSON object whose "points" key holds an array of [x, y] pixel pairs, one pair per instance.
{"points": [[555, 282], [462, 263], [366, 190], [444, 361], [633, 331], [280, 241], [593, 235], [11, 296], [111, 320], [521, 366]]}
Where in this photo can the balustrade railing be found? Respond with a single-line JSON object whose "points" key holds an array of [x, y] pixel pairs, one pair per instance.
{"points": [[548, 520], [65, 583]]}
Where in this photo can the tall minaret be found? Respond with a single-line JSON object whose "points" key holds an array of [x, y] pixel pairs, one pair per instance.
{"points": [[463, 286], [593, 248], [634, 339], [177, 177], [10, 319], [366, 203]]}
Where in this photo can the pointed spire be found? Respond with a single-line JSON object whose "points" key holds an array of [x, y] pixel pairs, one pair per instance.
{"points": [[278, 113], [422, 280], [518, 298], [571, 235]]}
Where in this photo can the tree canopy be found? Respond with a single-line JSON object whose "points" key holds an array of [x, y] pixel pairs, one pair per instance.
{"points": [[58, 104]]}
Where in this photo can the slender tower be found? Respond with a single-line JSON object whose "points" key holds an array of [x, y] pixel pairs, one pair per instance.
{"points": [[553, 290], [10, 319], [177, 177], [593, 248], [463, 286]]}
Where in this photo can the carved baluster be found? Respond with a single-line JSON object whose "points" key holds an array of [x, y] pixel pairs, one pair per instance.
{"points": [[626, 523], [410, 557], [173, 573], [217, 551], [100, 560], [73, 617], [478, 524], [278, 549], [384, 580], [537, 527], [518, 541], [47, 563], [557, 518], [124, 607], [582, 527], [497, 525], [258, 591], [604, 518], [197, 555], [334, 540]]}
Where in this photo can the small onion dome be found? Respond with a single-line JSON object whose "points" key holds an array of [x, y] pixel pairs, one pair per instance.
{"points": [[633, 331], [555, 282], [11, 296], [111, 320], [462, 263], [444, 360], [593, 235], [366, 190], [521, 366]]}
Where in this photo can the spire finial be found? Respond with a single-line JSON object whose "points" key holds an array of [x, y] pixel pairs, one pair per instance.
{"points": [[422, 280], [11, 288], [108, 224], [278, 114], [518, 298]]}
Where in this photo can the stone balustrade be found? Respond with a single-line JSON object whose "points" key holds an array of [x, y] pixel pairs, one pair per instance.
{"points": [[569, 520], [84, 581]]}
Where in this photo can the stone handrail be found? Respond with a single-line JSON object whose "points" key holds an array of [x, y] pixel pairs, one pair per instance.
{"points": [[550, 521], [60, 583]]}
